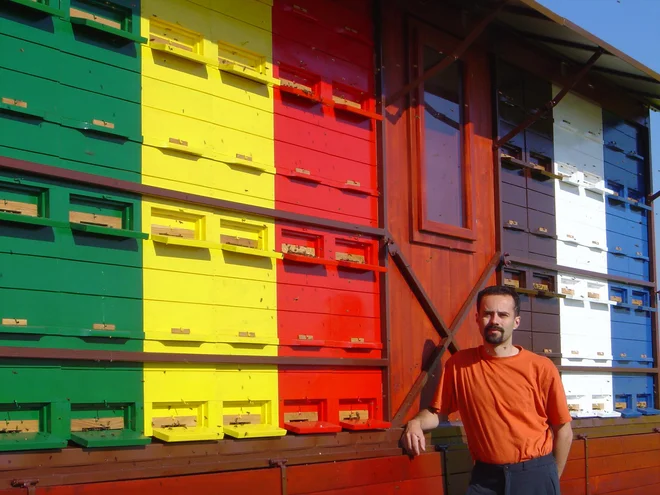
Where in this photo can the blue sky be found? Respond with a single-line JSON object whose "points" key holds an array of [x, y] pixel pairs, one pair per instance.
{"points": [[630, 26]]}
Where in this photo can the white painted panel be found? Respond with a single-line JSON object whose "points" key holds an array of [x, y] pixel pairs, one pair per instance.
{"points": [[589, 395], [579, 114], [584, 315]]}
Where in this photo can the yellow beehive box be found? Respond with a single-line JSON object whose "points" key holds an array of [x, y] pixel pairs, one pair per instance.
{"points": [[205, 177], [181, 403], [249, 400]]}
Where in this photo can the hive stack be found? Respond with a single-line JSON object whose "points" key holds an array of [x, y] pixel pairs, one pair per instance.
{"points": [[325, 156], [224, 100], [71, 256], [594, 219]]}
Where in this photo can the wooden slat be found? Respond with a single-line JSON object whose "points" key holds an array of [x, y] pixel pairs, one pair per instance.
{"points": [[301, 416], [353, 258], [14, 322], [89, 424], [241, 419], [174, 422], [28, 209], [299, 250], [635, 478], [92, 17], [344, 101], [104, 326], [180, 331], [239, 241], [103, 123], [361, 414], [14, 102], [94, 219], [157, 39], [172, 231], [24, 426]]}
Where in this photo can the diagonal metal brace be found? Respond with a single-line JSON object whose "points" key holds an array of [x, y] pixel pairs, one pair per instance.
{"points": [[552, 103], [495, 263], [421, 295], [451, 58], [652, 197]]}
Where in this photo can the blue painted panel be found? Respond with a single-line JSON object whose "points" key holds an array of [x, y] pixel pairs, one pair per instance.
{"points": [[638, 269], [631, 331], [624, 177], [616, 263], [630, 223], [632, 353], [631, 390]]}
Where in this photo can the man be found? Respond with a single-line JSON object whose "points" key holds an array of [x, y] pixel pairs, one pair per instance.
{"points": [[511, 402]]}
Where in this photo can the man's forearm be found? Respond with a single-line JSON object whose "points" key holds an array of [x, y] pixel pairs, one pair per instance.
{"points": [[428, 420], [562, 445]]}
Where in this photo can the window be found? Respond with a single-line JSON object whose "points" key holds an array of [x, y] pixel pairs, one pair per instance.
{"points": [[443, 143], [442, 192]]}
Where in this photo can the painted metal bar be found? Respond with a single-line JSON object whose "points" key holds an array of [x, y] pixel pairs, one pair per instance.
{"points": [[419, 292], [553, 102], [451, 58], [433, 361], [155, 357], [579, 272], [159, 192], [587, 488]]}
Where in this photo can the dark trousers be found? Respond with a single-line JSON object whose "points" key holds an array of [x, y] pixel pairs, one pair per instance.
{"points": [[534, 477]]}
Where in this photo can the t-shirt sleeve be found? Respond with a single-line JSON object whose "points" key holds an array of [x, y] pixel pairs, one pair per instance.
{"points": [[557, 405], [445, 395]]}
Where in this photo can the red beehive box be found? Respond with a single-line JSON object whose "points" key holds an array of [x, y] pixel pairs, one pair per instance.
{"points": [[325, 145], [328, 294], [325, 400]]}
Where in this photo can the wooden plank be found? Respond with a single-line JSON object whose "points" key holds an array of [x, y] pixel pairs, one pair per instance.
{"points": [[174, 422], [172, 231], [599, 447], [87, 424], [573, 486], [239, 241], [361, 473], [457, 484], [301, 416], [637, 478], [458, 461], [241, 419], [354, 414], [92, 17], [621, 463], [24, 426], [94, 219], [19, 208], [14, 322], [104, 326], [649, 489]]}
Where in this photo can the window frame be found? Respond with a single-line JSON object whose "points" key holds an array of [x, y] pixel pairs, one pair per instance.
{"points": [[423, 229]]}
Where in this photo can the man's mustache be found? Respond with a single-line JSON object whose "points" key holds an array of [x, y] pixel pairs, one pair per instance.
{"points": [[494, 327]]}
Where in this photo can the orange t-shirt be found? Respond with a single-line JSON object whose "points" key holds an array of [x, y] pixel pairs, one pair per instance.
{"points": [[506, 404]]}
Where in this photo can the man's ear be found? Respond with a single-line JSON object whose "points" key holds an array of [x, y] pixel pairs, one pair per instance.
{"points": [[516, 322]]}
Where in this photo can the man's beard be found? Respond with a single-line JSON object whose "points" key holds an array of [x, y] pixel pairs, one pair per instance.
{"points": [[494, 338]]}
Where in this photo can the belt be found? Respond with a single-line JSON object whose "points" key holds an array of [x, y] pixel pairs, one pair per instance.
{"points": [[518, 466]]}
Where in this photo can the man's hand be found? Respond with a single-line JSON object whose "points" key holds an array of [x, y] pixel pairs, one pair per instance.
{"points": [[413, 438]]}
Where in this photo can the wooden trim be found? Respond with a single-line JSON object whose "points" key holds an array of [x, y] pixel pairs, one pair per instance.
{"points": [[155, 357], [172, 195], [423, 35]]}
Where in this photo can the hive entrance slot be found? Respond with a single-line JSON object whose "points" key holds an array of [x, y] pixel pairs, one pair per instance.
{"points": [[239, 241], [355, 415], [301, 417], [97, 424], [18, 208], [96, 220], [299, 250], [241, 419], [175, 422], [19, 426]]}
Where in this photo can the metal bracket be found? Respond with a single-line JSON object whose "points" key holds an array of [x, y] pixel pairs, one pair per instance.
{"points": [[281, 463], [652, 197], [451, 58], [552, 103], [29, 485], [584, 437]]}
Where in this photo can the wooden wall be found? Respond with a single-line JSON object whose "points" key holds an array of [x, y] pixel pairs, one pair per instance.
{"points": [[448, 275]]}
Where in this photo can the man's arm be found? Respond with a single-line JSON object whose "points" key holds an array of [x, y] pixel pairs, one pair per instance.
{"points": [[413, 436], [563, 437]]}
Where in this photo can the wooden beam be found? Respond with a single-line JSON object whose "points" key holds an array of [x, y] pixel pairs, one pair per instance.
{"points": [[552, 103], [439, 351], [451, 58]]}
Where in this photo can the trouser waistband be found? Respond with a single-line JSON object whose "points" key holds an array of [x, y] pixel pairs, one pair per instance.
{"points": [[518, 466]]}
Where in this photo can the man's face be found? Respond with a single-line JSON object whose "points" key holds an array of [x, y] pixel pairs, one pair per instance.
{"points": [[496, 318]]}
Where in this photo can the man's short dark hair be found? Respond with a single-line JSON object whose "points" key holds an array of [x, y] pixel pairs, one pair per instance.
{"points": [[500, 290]]}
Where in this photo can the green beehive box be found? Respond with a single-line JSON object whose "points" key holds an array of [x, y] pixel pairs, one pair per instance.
{"points": [[106, 403], [33, 407], [71, 266]]}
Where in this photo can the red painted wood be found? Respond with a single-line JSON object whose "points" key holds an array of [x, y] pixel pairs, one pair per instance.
{"points": [[637, 478], [448, 275], [327, 392], [262, 481], [362, 473], [649, 489]]}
